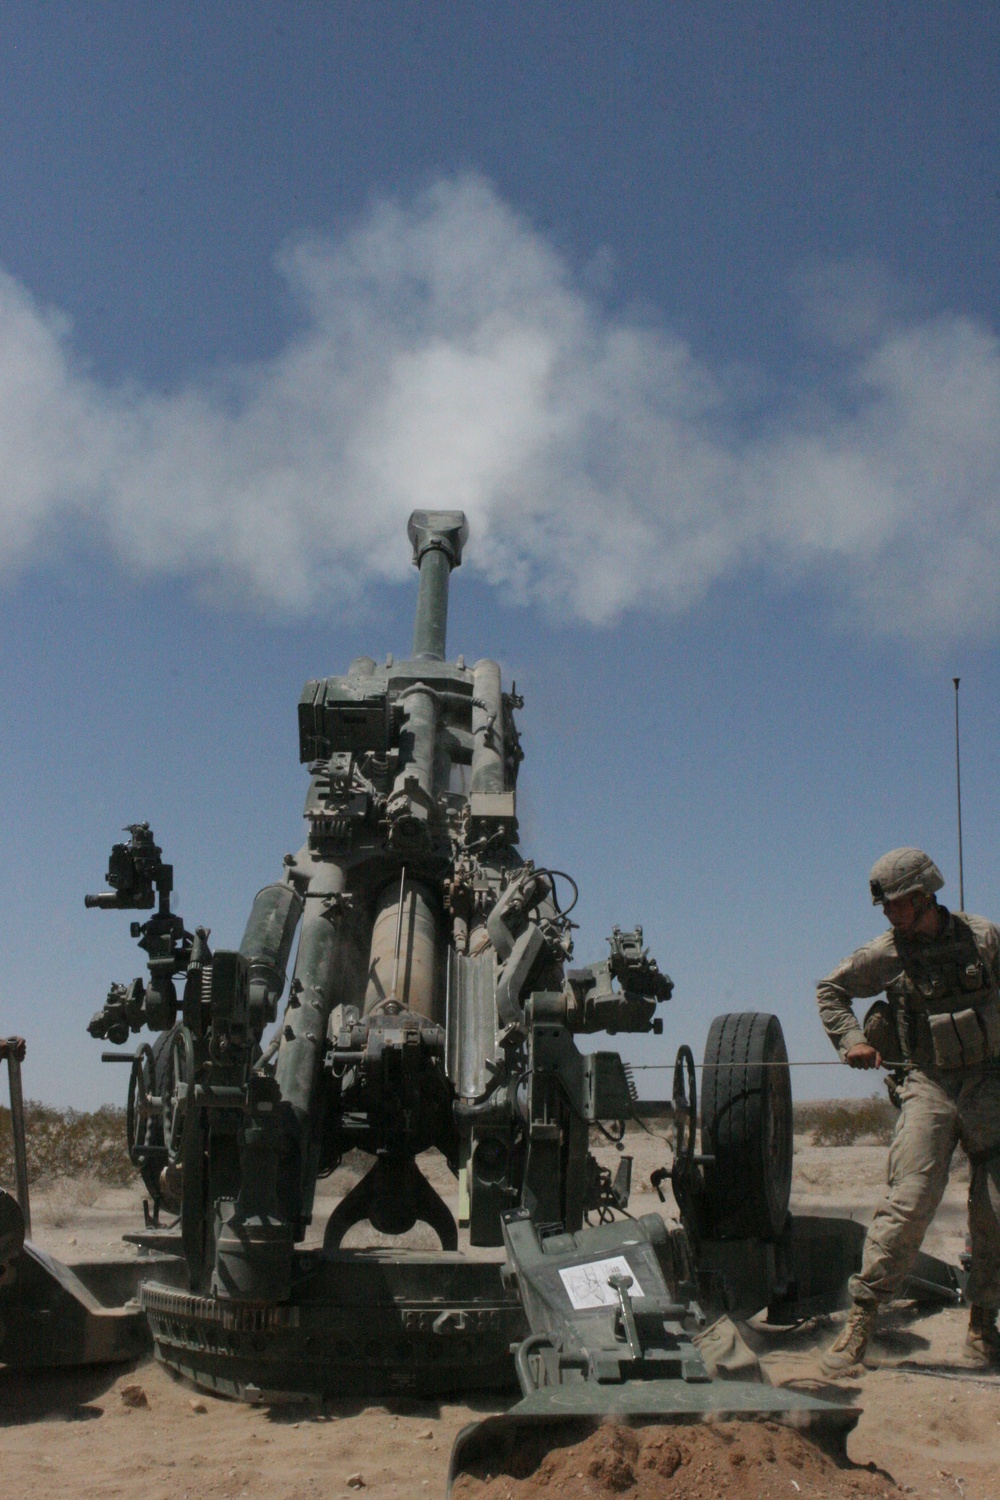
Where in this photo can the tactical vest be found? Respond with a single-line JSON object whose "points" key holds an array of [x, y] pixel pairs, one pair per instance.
{"points": [[946, 1008]]}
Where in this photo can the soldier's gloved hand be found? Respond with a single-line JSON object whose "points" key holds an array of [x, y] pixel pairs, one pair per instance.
{"points": [[863, 1056]]}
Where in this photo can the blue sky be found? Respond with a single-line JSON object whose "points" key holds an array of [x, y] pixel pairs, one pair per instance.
{"points": [[692, 307]]}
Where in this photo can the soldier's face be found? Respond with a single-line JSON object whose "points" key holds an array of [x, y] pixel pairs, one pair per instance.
{"points": [[903, 912]]}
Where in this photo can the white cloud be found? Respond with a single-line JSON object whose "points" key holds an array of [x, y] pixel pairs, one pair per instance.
{"points": [[448, 356]]}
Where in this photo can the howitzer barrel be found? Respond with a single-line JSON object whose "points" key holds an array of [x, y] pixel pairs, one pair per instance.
{"points": [[438, 537], [431, 625]]}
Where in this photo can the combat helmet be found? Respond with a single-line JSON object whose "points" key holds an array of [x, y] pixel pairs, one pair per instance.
{"points": [[901, 872]]}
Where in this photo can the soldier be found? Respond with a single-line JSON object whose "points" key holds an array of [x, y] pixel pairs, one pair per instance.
{"points": [[940, 972]]}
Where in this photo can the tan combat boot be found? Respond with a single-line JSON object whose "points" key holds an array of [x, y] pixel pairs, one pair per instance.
{"points": [[982, 1342], [847, 1352]]}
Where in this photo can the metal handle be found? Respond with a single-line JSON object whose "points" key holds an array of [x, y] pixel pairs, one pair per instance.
{"points": [[533, 1344]]}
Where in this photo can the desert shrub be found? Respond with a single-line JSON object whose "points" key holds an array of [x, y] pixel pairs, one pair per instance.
{"points": [[69, 1143], [843, 1122]]}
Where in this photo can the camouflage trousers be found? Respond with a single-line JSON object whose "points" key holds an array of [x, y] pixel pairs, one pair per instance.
{"points": [[937, 1114]]}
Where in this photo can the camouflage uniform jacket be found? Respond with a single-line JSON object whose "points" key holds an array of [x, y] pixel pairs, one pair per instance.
{"points": [[898, 966]]}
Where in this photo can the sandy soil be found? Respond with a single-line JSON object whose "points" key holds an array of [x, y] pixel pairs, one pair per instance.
{"points": [[75, 1434], [741, 1460]]}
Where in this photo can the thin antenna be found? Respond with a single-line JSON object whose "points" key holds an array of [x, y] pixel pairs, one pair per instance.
{"points": [[958, 794]]}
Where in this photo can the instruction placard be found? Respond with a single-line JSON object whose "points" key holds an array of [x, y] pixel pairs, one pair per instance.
{"points": [[587, 1286]]}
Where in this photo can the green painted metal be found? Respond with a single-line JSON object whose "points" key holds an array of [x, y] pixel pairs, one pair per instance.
{"points": [[431, 1004]]}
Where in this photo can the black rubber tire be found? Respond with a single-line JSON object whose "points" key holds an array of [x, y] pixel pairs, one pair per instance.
{"points": [[746, 1125]]}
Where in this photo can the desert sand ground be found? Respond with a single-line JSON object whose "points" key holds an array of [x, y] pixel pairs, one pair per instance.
{"points": [[73, 1434]]}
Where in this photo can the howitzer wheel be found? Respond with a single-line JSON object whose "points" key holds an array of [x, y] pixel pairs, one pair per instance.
{"points": [[746, 1128]]}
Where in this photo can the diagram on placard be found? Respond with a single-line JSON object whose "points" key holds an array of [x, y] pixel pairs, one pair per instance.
{"points": [[587, 1286]]}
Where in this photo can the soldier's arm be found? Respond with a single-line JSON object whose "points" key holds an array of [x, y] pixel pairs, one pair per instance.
{"points": [[987, 936], [860, 977]]}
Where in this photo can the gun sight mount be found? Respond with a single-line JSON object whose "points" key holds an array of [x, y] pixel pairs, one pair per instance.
{"points": [[136, 873]]}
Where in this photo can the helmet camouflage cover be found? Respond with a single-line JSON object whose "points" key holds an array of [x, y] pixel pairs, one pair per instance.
{"points": [[901, 872]]}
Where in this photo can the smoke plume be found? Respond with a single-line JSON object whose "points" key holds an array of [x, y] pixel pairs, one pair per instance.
{"points": [[448, 356]]}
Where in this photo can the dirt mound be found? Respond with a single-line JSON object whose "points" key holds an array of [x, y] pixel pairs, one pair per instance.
{"points": [[741, 1460]]}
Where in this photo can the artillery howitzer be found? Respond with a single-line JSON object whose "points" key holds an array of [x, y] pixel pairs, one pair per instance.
{"points": [[431, 1005]]}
